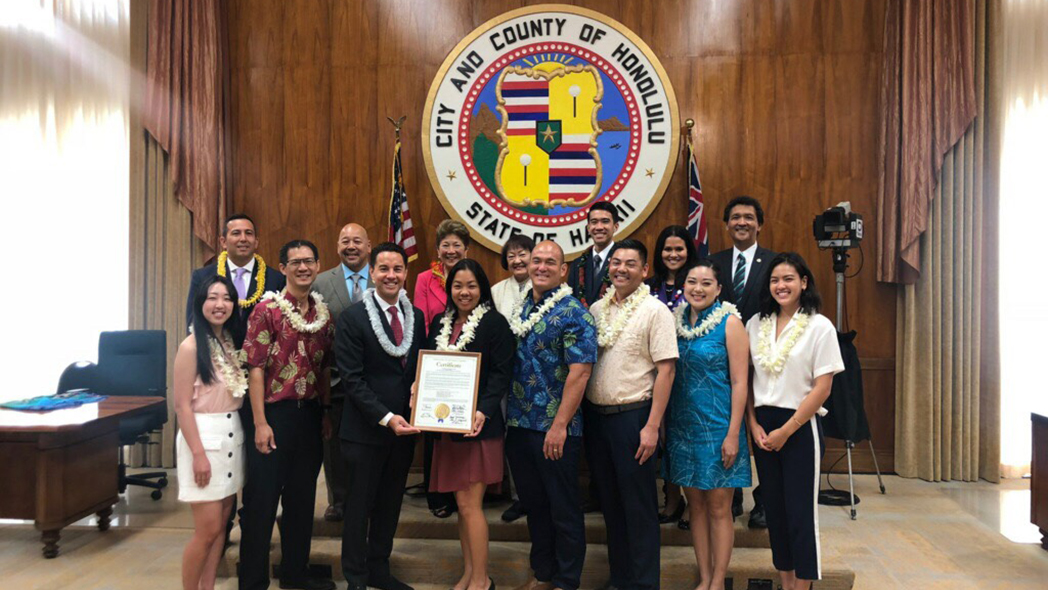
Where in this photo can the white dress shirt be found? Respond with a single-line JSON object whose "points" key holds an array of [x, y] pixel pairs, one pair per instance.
{"points": [[602, 256]]}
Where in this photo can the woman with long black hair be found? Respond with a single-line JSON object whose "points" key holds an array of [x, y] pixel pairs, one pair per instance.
{"points": [[795, 355], [209, 387]]}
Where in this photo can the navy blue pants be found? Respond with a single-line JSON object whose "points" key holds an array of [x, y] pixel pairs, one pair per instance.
{"points": [[549, 491], [790, 489], [629, 497]]}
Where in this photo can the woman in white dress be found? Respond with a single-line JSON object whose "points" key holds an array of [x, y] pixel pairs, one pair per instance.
{"points": [[209, 387]]}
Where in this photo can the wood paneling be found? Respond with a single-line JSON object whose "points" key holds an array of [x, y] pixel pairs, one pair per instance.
{"points": [[784, 93]]}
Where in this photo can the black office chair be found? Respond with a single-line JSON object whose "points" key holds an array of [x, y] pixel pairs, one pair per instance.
{"points": [[130, 362]]}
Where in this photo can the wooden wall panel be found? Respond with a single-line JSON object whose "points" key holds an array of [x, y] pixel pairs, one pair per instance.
{"points": [[784, 93]]}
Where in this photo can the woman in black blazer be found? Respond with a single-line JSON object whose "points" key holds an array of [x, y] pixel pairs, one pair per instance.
{"points": [[467, 464]]}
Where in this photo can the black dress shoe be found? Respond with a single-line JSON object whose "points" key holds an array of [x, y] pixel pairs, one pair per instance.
{"points": [[513, 512], [307, 584], [684, 524], [333, 514], [387, 583], [757, 518], [673, 516]]}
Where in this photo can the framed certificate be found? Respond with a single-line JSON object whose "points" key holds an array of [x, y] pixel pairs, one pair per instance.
{"points": [[447, 391]]}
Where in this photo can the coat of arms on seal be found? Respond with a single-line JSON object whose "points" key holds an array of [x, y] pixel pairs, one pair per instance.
{"points": [[541, 112]]}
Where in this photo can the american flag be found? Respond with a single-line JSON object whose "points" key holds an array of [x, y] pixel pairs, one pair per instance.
{"points": [[400, 230], [696, 207]]}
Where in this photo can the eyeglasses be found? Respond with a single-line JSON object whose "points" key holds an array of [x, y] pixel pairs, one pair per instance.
{"points": [[301, 262]]}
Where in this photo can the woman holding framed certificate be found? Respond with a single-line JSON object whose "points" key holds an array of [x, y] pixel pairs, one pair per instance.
{"points": [[467, 463]]}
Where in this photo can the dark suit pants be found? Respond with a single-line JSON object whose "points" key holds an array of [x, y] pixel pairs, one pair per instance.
{"points": [[549, 491], [629, 496], [334, 466], [288, 476], [372, 507]]}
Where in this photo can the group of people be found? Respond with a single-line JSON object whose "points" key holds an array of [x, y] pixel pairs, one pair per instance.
{"points": [[700, 364]]}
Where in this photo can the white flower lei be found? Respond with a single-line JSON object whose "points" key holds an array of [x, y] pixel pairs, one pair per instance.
{"points": [[295, 318], [469, 329], [707, 325], [521, 328], [232, 373], [380, 332], [778, 362], [607, 335]]}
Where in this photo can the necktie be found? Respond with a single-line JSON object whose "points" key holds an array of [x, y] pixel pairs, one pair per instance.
{"points": [[355, 291], [398, 331], [240, 284], [358, 288], [394, 322], [738, 282]]}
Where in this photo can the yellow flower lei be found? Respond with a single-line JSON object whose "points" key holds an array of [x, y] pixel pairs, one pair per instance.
{"points": [[260, 288]]}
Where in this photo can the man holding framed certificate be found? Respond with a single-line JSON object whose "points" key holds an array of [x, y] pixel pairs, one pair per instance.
{"points": [[376, 348], [462, 378]]}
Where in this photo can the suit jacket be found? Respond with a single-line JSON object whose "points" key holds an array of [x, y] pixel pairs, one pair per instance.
{"points": [[496, 343], [430, 295], [749, 303], [331, 284], [274, 282], [374, 382], [593, 285]]}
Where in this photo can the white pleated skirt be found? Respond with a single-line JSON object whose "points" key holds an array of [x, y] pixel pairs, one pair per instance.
{"points": [[222, 436]]}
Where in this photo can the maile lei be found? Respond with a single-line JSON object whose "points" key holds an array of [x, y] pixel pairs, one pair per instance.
{"points": [[380, 332], [775, 364], [705, 326], [233, 373], [294, 317], [608, 331], [469, 329], [260, 279], [522, 327]]}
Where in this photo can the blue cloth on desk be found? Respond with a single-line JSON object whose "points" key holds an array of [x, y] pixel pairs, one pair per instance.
{"points": [[44, 403]]}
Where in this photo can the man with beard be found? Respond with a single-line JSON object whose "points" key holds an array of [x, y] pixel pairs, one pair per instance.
{"points": [[341, 287]]}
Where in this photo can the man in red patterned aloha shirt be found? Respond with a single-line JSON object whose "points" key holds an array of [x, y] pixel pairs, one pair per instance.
{"points": [[288, 348]]}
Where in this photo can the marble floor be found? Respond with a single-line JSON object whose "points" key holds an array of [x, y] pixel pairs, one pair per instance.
{"points": [[918, 536]]}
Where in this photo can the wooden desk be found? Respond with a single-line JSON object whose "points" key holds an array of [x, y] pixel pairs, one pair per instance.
{"points": [[1039, 476], [58, 467]]}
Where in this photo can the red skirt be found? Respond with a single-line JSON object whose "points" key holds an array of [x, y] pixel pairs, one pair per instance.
{"points": [[457, 465]]}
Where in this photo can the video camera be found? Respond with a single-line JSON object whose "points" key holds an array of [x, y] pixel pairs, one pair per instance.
{"points": [[838, 227]]}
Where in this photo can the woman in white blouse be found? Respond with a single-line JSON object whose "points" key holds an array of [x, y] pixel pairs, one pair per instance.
{"points": [[516, 255], [795, 355]]}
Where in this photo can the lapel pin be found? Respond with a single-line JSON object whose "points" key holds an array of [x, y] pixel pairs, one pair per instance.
{"points": [[758, 260]]}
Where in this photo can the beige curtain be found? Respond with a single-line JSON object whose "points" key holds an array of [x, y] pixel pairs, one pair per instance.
{"points": [[947, 391], [163, 251]]}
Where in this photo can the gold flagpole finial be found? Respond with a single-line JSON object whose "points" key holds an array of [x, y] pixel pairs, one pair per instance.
{"points": [[397, 124], [690, 124]]}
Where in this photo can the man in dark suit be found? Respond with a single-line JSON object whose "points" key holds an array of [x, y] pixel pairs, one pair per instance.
{"points": [[376, 350], [239, 242], [588, 278], [341, 287], [588, 273], [743, 273]]}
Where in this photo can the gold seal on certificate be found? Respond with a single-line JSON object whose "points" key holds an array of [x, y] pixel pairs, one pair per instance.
{"points": [[447, 391]]}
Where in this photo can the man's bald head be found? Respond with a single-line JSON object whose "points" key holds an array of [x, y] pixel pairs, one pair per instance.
{"points": [[354, 247], [547, 269]]}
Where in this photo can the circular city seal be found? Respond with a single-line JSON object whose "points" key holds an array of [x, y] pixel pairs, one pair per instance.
{"points": [[541, 112]]}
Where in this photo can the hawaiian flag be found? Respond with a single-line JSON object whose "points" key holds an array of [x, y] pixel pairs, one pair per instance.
{"points": [[400, 230], [696, 207]]}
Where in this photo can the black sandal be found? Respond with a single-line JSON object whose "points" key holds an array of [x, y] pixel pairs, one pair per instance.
{"points": [[674, 516], [443, 511]]}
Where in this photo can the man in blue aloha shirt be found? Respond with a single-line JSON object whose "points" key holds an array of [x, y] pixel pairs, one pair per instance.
{"points": [[557, 346]]}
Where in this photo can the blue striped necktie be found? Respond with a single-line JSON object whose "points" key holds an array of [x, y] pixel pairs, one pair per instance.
{"points": [[738, 282]]}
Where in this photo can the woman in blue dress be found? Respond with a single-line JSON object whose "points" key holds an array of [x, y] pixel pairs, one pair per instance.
{"points": [[705, 435]]}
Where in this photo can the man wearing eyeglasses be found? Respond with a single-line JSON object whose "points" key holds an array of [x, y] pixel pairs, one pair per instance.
{"points": [[288, 348]]}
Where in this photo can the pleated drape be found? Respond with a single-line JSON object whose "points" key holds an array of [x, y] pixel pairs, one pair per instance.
{"points": [[948, 387]]}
